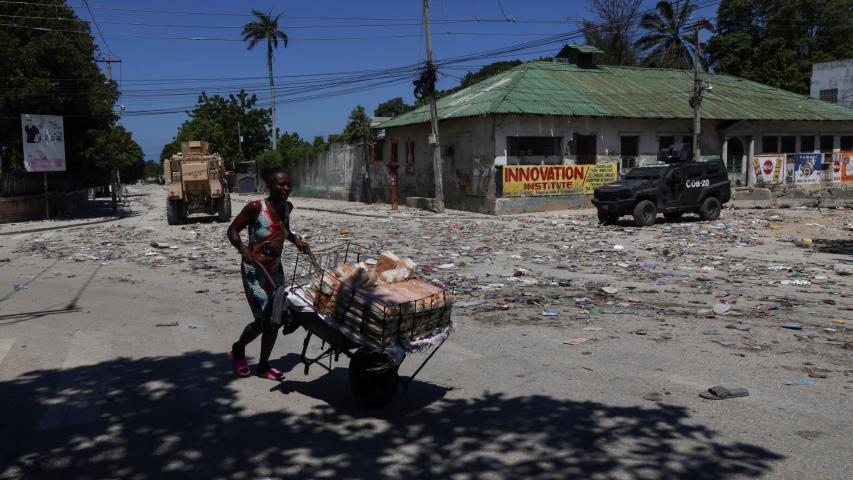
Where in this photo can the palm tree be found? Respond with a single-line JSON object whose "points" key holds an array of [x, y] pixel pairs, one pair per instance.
{"points": [[265, 27], [669, 37]]}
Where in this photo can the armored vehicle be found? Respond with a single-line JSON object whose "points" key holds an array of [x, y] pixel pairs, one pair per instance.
{"points": [[675, 186], [198, 184]]}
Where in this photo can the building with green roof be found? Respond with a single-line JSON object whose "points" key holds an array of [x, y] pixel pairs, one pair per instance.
{"points": [[573, 112]]}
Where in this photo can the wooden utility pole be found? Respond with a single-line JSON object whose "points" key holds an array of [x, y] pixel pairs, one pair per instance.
{"points": [[697, 96], [433, 139], [109, 74]]}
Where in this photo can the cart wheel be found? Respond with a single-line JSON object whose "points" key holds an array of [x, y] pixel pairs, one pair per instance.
{"points": [[373, 377]]}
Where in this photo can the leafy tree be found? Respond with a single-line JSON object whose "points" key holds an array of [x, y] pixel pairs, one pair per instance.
{"points": [[269, 158], [114, 150], [265, 29], [49, 69], [292, 149], [668, 39], [392, 108], [320, 144], [614, 35], [152, 169], [358, 126], [215, 119], [776, 41]]}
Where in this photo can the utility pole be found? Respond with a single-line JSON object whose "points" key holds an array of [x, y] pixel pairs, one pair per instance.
{"points": [[433, 139], [109, 74], [696, 101]]}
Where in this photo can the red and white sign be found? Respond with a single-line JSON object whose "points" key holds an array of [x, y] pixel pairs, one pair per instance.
{"points": [[767, 169]]}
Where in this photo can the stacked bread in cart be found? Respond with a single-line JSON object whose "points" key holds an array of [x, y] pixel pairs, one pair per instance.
{"points": [[385, 301]]}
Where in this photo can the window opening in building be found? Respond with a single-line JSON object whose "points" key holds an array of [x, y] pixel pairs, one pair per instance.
{"points": [[410, 156], [829, 95], [770, 144], [788, 144], [734, 156], [533, 146], [665, 142], [585, 148], [846, 143], [393, 153], [826, 143], [629, 151], [807, 144]]}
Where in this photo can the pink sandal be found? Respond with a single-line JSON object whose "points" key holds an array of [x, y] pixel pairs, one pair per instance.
{"points": [[241, 366], [272, 374]]}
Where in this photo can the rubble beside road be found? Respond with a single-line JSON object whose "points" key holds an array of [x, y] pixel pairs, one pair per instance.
{"points": [[729, 284]]}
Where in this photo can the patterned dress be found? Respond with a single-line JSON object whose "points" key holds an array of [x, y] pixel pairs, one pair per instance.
{"points": [[258, 289]]}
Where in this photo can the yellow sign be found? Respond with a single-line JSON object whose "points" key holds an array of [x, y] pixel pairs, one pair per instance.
{"points": [[520, 180]]}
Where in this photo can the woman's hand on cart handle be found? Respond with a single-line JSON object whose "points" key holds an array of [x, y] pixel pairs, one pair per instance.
{"points": [[302, 245], [247, 255]]}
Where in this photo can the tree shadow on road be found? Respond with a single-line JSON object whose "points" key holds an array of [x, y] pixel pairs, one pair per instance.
{"points": [[184, 417]]}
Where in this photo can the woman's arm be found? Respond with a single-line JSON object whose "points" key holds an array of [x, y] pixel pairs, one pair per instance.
{"points": [[246, 216]]}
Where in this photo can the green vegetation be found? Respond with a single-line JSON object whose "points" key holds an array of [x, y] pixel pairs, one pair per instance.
{"points": [[614, 31], [776, 41], [669, 37], [52, 72], [265, 29], [392, 108], [215, 120]]}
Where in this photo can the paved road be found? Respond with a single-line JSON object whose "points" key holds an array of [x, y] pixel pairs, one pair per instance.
{"points": [[92, 387]]}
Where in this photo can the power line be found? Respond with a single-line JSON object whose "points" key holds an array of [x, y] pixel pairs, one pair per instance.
{"points": [[86, 3]]}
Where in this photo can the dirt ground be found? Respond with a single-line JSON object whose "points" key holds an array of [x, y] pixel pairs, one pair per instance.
{"points": [[580, 350]]}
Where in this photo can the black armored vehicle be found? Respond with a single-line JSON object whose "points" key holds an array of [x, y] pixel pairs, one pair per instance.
{"points": [[675, 186]]}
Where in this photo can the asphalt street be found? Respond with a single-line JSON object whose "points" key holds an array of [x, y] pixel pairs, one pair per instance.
{"points": [[114, 340]]}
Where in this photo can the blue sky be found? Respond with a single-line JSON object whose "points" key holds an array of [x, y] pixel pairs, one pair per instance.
{"points": [[163, 68]]}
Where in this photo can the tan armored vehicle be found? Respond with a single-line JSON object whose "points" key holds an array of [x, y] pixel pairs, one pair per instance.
{"points": [[198, 184]]}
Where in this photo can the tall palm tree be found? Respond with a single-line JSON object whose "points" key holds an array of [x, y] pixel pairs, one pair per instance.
{"points": [[668, 39], [265, 27]]}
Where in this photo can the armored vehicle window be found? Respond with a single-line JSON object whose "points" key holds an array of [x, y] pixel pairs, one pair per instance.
{"points": [[645, 172]]}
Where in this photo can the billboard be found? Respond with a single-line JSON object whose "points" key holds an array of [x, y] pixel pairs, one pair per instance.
{"points": [[807, 167], [768, 169], [44, 143], [534, 180]]}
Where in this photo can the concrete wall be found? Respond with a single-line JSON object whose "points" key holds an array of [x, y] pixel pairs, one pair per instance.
{"points": [[339, 173], [837, 74], [31, 207], [468, 154]]}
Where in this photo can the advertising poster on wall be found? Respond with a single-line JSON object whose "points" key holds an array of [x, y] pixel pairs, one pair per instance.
{"points": [[835, 168], [542, 180], [44, 143], [807, 167], [846, 159], [768, 169]]}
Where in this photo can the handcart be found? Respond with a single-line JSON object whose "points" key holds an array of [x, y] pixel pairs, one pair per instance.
{"points": [[369, 326]]}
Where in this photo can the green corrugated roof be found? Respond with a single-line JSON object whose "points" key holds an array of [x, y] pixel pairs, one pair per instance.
{"points": [[584, 48], [543, 88]]}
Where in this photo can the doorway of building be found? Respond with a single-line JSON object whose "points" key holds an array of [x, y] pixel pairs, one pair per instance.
{"points": [[585, 149], [734, 159]]}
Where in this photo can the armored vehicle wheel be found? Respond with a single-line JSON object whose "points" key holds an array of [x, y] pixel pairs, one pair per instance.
{"points": [[606, 219], [710, 209], [373, 377], [645, 213], [673, 216], [173, 212], [223, 208]]}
